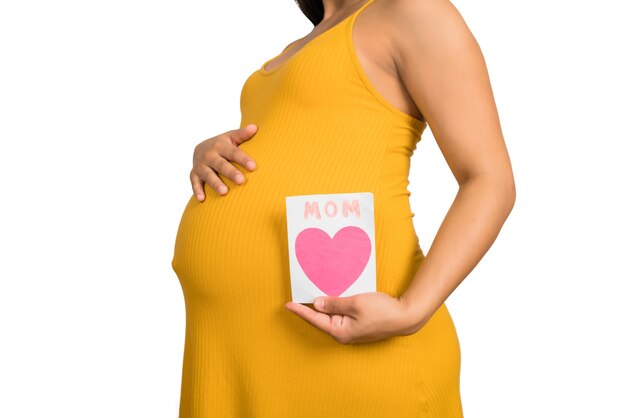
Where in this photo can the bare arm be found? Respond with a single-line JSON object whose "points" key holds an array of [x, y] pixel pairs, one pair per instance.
{"points": [[443, 68]]}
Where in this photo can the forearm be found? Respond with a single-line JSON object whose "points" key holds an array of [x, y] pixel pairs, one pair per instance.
{"points": [[467, 232]]}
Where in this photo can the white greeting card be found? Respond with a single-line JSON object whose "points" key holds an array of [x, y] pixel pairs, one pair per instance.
{"points": [[331, 245]]}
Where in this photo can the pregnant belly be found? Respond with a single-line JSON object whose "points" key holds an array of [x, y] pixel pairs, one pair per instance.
{"points": [[232, 246], [235, 246]]}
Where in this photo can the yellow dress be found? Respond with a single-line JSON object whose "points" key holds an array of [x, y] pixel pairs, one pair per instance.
{"points": [[322, 128]]}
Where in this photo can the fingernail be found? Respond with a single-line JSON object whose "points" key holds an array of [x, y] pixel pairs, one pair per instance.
{"points": [[319, 303], [223, 189], [250, 165], [239, 178]]}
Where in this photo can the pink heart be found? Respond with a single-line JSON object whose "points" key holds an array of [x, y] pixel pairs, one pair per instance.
{"points": [[333, 264]]}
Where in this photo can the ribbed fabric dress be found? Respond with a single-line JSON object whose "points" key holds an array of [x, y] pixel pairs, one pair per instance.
{"points": [[322, 128]]}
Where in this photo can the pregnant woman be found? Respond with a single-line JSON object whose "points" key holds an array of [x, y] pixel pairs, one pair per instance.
{"points": [[341, 110]]}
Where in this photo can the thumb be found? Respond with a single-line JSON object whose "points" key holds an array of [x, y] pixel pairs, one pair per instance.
{"points": [[333, 305], [243, 134]]}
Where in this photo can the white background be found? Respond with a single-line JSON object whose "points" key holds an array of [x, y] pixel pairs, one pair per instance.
{"points": [[101, 104]]}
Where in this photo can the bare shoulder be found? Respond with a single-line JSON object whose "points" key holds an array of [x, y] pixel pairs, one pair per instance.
{"points": [[290, 44], [426, 26]]}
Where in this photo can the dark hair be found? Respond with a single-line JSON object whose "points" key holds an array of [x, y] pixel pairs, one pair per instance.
{"points": [[312, 9]]}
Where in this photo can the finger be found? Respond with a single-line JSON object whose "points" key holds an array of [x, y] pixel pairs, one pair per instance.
{"points": [[197, 185], [223, 166], [336, 320], [332, 305], [212, 179], [241, 135], [236, 154], [317, 319], [204, 174]]}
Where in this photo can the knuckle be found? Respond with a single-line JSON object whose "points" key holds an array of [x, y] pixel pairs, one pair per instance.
{"points": [[205, 151], [219, 144], [222, 141], [355, 306], [220, 164], [207, 174], [210, 160], [229, 169], [235, 155], [213, 181], [196, 178], [212, 143]]}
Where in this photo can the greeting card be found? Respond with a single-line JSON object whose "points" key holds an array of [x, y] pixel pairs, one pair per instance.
{"points": [[331, 245]]}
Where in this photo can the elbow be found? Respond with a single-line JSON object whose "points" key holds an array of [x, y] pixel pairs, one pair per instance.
{"points": [[502, 187], [512, 195], [509, 192]]}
